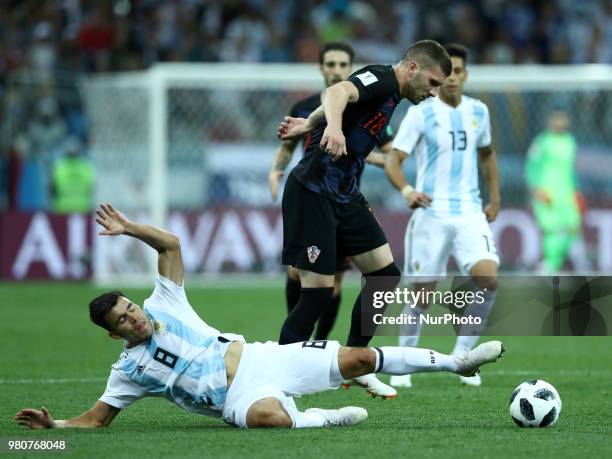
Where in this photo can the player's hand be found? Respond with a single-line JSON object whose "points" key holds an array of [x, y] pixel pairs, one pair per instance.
{"points": [[35, 419], [417, 199], [274, 178], [542, 196], [333, 142], [113, 221], [491, 211], [292, 128]]}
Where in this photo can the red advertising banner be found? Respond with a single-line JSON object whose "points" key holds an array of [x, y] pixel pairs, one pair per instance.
{"points": [[44, 246], [230, 239]]}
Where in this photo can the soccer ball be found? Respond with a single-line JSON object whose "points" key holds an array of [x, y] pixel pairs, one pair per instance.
{"points": [[535, 403]]}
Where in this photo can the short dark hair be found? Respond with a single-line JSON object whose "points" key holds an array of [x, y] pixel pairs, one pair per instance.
{"points": [[336, 46], [457, 50], [427, 53], [99, 307]]}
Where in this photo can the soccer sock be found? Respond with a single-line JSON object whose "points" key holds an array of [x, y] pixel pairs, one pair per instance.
{"points": [[300, 419], [407, 360], [293, 289], [303, 420], [362, 318], [468, 334], [300, 323], [411, 332], [328, 318]]}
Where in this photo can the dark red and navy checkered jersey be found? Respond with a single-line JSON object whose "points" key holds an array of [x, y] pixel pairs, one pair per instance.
{"points": [[364, 125]]}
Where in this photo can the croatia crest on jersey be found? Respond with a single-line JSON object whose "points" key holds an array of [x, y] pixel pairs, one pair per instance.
{"points": [[313, 253]]}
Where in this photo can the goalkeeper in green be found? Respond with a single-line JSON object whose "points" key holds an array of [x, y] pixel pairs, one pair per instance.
{"points": [[551, 177]]}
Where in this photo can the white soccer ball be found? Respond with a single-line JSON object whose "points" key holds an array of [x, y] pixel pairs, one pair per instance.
{"points": [[535, 403]]}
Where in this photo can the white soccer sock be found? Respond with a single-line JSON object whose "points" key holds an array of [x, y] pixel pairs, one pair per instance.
{"points": [[407, 360], [303, 420], [410, 333], [469, 334]]}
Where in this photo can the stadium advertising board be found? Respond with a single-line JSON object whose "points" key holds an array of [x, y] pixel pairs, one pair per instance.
{"points": [[243, 239]]}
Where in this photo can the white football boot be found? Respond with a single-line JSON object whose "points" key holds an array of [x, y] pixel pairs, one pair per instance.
{"points": [[347, 416], [471, 380], [374, 386], [401, 381], [468, 362]]}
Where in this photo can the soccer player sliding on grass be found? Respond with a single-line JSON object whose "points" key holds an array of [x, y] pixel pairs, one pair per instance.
{"points": [[170, 352]]}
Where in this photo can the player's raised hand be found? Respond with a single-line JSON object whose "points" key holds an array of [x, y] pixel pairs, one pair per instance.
{"points": [[274, 178], [417, 199], [292, 128], [333, 142], [113, 221], [491, 210], [35, 419]]}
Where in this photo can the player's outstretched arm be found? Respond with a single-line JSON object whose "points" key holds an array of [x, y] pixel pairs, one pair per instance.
{"points": [[488, 163], [169, 262], [99, 415], [283, 156], [293, 128]]}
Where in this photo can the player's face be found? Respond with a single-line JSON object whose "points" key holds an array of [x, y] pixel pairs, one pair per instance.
{"points": [[129, 321], [423, 82], [336, 67], [558, 122], [453, 84]]}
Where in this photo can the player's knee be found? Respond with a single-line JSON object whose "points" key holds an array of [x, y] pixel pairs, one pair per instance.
{"points": [[268, 412], [356, 361], [390, 273]]}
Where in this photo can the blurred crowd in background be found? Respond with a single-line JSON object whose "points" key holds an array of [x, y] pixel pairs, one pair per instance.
{"points": [[46, 45]]}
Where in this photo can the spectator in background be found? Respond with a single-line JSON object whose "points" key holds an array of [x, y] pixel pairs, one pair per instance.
{"points": [[551, 177], [73, 181]]}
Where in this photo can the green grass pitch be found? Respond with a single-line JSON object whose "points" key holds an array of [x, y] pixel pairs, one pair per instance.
{"points": [[52, 355]]}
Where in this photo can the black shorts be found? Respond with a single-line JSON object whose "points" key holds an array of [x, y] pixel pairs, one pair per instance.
{"points": [[318, 231]]}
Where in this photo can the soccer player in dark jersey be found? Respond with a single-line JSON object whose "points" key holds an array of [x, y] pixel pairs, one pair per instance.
{"points": [[335, 61], [323, 211]]}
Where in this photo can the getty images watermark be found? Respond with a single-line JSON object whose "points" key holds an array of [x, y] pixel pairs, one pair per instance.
{"points": [[515, 306], [411, 298]]}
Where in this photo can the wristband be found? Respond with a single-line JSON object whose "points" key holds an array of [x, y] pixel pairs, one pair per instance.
{"points": [[407, 190]]}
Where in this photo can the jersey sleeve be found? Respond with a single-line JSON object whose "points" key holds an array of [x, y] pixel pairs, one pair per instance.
{"points": [[484, 139], [410, 131], [168, 295], [374, 83], [121, 392]]}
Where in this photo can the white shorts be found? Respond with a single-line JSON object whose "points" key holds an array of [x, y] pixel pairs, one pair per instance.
{"points": [[430, 240], [271, 370]]}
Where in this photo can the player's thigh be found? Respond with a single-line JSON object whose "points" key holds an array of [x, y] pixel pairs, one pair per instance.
{"points": [[374, 259], [268, 412], [359, 233], [309, 229], [473, 242], [305, 368], [427, 246]]}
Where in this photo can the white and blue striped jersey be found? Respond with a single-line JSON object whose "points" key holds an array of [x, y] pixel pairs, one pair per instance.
{"points": [[182, 361], [445, 141]]}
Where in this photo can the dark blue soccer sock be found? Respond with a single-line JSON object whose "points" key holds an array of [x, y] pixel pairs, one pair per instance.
{"points": [[362, 318], [328, 318], [293, 290], [301, 321]]}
